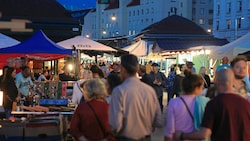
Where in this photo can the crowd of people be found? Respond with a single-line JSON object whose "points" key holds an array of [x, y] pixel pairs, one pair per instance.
{"points": [[135, 105], [125, 103]]}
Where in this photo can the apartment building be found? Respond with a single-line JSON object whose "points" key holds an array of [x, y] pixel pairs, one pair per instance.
{"points": [[231, 18], [115, 18]]}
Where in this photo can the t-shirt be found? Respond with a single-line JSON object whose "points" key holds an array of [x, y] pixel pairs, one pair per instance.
{"points": [[41, 78], [23, 84], [223, 66], [227, 115]]}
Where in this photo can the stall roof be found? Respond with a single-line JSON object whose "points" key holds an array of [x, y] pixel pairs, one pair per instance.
{"points": [[6, 41], [175, 25], [233, 48], [185, 43], [38, 47]]}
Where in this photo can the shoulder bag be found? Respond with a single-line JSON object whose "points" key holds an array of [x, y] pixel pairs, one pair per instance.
{"points": [[187, 109], [98, 120]]}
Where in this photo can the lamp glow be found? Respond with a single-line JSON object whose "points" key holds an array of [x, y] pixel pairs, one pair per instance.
{"points": [[70, 66]]}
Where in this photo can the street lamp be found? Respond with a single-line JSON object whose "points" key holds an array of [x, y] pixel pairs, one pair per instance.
{"points": [[113, 17], [87, 35], [104, 31], [209, 30], [236, 26]]}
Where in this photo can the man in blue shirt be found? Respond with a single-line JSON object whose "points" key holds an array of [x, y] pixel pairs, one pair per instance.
{"points": [[225, 64]]}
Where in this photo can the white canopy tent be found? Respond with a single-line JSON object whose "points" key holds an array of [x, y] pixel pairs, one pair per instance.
{"points": [[205, 48], [139, 48], [233, 48], [6, 41], [82, 43]]}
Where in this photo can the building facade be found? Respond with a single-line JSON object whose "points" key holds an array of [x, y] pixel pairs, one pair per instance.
{"points": [[231, 18], [116, 18]]}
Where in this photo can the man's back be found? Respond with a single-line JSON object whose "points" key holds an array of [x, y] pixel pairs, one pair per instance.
{"points": [[137, 110], [228, 116]]}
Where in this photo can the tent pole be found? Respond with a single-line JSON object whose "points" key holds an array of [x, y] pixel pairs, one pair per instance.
{"points": [[96, 59]]}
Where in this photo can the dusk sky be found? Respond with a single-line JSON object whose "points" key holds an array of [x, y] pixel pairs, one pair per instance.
{"points": [[77, 4]]}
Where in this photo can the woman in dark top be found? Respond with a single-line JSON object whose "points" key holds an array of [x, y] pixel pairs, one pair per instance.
{"points": [[9, 89], [205, 77], [178, 80]]}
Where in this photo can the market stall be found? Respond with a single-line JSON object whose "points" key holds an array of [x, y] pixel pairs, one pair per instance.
{"points": [[233, 48], [38, 47], [48, 101]]}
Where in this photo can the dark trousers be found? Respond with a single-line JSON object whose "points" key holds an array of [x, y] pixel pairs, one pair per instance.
{"points": [[146, 138], [160, 101]]}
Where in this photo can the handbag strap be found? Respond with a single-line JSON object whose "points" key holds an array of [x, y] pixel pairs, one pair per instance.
{"points": [[205, 82], [187, 109], [98, 120]]}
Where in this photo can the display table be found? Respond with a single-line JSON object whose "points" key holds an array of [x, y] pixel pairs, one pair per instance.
{"points": [[36, 126], [40, 113]]}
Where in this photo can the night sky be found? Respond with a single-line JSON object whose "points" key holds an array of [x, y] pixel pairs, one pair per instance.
{"points": [[77, 4]]}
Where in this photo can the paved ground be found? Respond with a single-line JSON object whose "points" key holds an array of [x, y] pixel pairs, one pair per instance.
{"points": [[158, 135]]}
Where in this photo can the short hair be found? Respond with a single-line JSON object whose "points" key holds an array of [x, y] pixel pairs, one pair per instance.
{"points": [[224, 76], [44, 71], [130, 63], [23, 68], [191, 81], [113, 80], [142, 68], [95, 89], [237, 59], [96, 69]]}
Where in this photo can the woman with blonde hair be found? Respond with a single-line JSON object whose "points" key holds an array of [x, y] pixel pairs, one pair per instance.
{"points": [[90, 120]]}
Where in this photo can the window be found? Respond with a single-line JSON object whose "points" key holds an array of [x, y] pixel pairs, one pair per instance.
{"points": [[133, 13], [210, 11], [147, 11], [217, 25], [228, 7], [142, 11], [129, 32], [129, 13], [228, 24], [239, 21], [210, 21], [133, 32], [201, 21], [218, 10], [173, 10], [194, 11], [201, 11], [138, 12], [239, 6]]}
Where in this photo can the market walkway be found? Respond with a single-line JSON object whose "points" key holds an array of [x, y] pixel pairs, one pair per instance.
{"points": [[158, 135]]}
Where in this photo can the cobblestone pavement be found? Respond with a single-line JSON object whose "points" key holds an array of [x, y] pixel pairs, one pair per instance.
{"points": [[158, 135]]}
